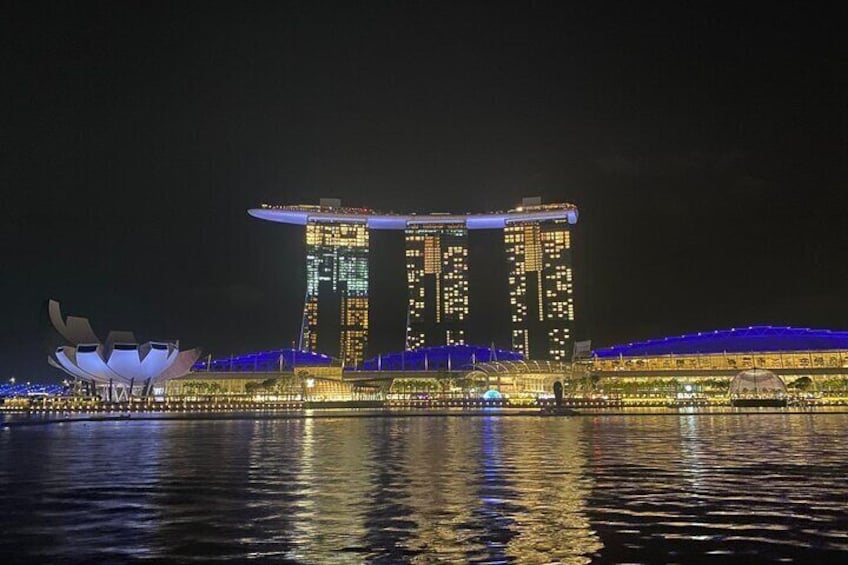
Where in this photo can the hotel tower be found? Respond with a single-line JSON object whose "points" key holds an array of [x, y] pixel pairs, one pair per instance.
{"points": [[335, 315], [336, 290], [437, 281], [541, 290]]}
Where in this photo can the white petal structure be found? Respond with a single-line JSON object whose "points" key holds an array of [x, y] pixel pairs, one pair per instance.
{"points": [[183, 363], [67, 360], [74, 330], [120, 364], [156, 357], [119, 337], [90, 359]]}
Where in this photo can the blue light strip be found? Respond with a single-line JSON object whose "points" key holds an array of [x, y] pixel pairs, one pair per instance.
{"points": [[264, 361], [736, 340], [462, 357], [23, 389]]}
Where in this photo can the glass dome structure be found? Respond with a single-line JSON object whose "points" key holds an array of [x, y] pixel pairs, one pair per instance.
{"points": [[757, 382]]}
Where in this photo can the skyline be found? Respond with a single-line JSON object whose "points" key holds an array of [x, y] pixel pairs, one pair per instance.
{"points": [[705, 149], [417, 281]]}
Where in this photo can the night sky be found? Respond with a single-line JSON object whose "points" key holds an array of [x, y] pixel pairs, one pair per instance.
{"points": [[705, 144]]}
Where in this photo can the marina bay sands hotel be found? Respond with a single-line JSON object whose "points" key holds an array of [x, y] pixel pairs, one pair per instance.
{"points": [[537, 240]]}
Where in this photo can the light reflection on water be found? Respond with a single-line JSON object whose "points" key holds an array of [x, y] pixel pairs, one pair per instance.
{"points": [[428, 490]]}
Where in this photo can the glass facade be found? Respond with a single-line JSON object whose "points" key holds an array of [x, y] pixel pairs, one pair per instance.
{"points": [[540, 288], [335, 319], [818, 361], [437, 281]]}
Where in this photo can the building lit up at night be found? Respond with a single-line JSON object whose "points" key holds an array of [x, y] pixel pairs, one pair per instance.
{"points": [[437, 278], [732, 361], [538, 251], [541, 291], [335, 318]]}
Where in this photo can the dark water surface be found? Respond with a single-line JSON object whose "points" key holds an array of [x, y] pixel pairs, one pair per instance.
{"points": [[600, 489]]}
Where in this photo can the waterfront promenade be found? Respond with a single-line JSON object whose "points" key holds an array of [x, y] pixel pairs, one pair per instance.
{"points": [[95, 411]]}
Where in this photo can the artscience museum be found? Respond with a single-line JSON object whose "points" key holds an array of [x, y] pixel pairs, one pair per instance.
{"points": [[117, 367]]}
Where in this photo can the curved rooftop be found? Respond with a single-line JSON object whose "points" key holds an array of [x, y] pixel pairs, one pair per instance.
{"points": [[439, 358], [752, 339], [301, 215], [273, 360]]}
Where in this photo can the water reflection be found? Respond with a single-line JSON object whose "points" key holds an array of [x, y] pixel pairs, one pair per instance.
{"points": [[332, 475], [680, 488], [427, 490], [389, 520], [552, 488]]}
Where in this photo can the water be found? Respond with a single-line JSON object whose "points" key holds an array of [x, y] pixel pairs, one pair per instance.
{"points": [[599, 489]]}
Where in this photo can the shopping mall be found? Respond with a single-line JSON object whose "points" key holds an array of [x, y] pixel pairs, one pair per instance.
{"points": [[751, 361]]}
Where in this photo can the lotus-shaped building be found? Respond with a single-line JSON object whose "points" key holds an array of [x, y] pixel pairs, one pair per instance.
{"points": [[120, 367]]}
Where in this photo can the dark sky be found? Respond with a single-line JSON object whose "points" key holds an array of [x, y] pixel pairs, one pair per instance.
{"points": [[705, 144]]}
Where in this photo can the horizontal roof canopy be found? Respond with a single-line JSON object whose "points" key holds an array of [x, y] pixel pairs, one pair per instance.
{"points": [[301, 215], [752, 339]]}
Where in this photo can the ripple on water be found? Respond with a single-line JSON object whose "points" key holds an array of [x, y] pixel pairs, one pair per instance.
{"points": [[427, 490]]}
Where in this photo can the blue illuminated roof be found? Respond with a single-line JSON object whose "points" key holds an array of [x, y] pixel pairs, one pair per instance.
{"points": [[441, 358], [23, 389], [737, 340], [301, 215], [265, 361]]}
